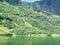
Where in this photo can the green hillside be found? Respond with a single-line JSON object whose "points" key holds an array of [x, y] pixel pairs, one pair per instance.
{"points": [[19, 19]]}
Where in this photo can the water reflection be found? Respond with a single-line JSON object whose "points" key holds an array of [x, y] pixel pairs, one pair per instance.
{"points": [[29, 41], [4, 40]]}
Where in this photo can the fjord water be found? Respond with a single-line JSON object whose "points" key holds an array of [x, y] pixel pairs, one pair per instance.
{"points": [[29, 40]]}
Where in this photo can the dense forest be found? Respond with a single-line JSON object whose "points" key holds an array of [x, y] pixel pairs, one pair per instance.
{"points": [[22, 18]]}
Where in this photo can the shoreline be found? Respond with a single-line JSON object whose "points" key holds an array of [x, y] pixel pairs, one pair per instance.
{"points": [[39, 35], [33, 35]]}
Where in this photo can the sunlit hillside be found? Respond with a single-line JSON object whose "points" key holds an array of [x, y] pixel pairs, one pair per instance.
{"points": [[20, 19]]}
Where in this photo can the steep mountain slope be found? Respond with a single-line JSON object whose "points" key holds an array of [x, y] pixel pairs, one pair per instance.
{"points": [[52, 6], [23, 20]]}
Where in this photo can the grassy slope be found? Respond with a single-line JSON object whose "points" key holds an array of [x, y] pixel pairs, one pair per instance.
{"points": [[22, 20]]}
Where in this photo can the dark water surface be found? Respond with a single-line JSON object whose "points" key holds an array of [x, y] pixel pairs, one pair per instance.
{"points": [[29, 40]]}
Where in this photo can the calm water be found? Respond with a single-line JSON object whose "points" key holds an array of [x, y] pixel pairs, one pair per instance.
{"points": [[29, 41]]}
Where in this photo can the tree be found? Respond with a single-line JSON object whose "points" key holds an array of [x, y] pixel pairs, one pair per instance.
{"points": [[13, 1], [2, 0]]}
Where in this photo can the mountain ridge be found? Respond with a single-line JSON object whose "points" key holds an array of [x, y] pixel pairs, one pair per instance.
{"points": [[51, 6]]}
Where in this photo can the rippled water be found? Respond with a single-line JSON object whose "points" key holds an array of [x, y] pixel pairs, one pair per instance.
{"points": [[29, 41]]}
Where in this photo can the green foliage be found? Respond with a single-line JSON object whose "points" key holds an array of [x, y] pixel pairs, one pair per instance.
{"points": [[23, 20]]}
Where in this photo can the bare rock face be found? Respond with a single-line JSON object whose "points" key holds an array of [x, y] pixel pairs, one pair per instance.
{"points": [[52, 6]]}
